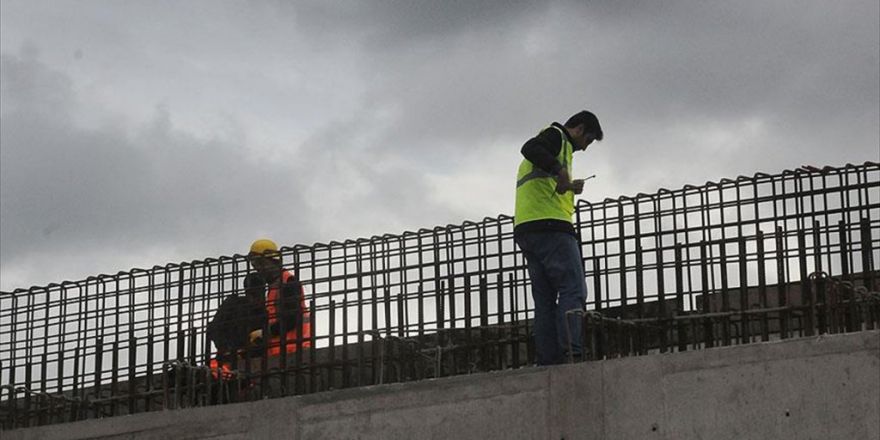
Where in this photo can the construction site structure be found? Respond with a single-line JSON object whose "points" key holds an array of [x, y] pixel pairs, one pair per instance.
{"points": [[743, 260]]}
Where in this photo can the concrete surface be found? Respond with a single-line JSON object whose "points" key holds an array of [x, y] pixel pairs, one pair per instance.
{"points": [[818, 388]]}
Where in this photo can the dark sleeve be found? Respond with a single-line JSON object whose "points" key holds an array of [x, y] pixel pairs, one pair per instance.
{"points": [[229, 327], [255, 317], [542, 150]]}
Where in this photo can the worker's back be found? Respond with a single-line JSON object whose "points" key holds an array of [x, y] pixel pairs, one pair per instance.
{"points": [[235, 319]]}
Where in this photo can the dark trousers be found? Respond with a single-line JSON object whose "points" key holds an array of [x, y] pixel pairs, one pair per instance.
{"points": [[558, 286]]}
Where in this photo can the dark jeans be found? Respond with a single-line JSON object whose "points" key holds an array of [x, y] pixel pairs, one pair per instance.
{"points": [[558, 286]]}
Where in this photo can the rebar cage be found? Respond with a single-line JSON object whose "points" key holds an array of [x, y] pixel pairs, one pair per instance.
{"points": [[729, 262]]}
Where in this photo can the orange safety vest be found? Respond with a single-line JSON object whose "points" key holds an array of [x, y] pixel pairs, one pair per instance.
{"points": [[291, 338]]}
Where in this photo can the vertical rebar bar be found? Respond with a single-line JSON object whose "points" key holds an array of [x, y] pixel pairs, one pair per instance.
{"points": [[743, 293], [762, 287], [781, 284], [807, 303], [679, 298], [708, 337]]}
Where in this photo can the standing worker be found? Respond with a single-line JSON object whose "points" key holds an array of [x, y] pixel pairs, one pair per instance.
{"points": [[544, 231], [285, 300]]}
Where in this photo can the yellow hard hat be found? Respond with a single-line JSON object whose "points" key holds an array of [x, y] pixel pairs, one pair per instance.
{"points": [[265, 247]]}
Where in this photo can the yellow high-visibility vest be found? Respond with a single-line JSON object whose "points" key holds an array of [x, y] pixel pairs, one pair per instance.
{"points": [[536, 197]]}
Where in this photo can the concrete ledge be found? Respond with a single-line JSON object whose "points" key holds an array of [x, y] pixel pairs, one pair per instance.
{"points": [[823, 387]]}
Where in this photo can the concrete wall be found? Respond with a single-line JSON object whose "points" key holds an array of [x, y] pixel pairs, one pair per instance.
{"points": [[818, 388]]}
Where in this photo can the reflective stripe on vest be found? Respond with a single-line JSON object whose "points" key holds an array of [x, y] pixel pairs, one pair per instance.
{"points": [[291, 336], [536, 197]]}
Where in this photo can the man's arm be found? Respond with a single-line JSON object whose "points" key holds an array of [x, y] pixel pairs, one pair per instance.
{"points": [[542, 150]]}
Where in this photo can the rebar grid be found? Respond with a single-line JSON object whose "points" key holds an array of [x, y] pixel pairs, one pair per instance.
{"points": [[455, 299]]}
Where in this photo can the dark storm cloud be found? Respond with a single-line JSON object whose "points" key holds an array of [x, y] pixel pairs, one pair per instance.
{"points": [[103, 195], [160, 131], [782, 84], [67, 191], [391, 25]]}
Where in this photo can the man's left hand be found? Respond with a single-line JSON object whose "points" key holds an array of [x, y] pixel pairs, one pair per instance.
{"points": [[256, 337]]}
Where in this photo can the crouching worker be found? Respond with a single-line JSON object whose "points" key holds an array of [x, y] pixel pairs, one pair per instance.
{"points": [[285, 303], [236, 326], [272, 313]]}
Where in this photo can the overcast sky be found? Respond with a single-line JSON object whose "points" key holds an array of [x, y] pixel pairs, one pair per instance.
{"points": [[142, 133]]}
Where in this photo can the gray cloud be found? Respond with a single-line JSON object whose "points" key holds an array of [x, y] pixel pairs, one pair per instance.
{"points": [[647, 73], [168, 133], [70, 193], [68, 190]]}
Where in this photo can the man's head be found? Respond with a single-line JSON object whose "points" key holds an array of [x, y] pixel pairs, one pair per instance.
{"points": [[265, 259], [584, 128]]}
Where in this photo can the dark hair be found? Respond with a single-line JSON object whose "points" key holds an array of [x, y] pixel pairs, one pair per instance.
{"points": [[590, 121]]}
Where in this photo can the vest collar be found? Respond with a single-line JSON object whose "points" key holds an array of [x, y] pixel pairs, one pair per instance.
{"points": [[564, 130]]}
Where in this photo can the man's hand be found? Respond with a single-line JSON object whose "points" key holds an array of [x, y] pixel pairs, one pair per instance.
{"points": [[563, 181], [256, 337]]}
